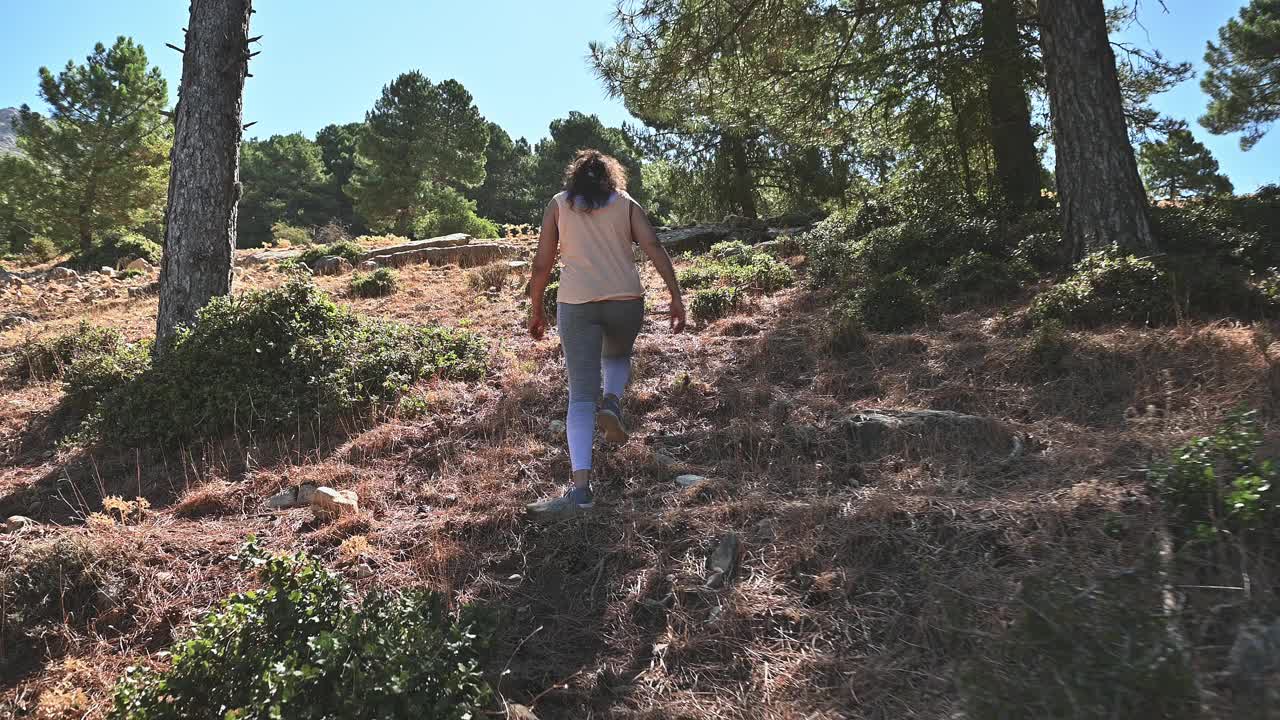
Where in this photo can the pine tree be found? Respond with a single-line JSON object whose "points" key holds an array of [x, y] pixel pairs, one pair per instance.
{"points": [[1181, 166], [285, 181], [422, 140], [338, 144], [507, 194], [101, 154], [1103, 201], [204, 186], [576, 132], [1243, 80]]}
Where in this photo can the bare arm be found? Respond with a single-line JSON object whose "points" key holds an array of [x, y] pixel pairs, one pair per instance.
{"points": [[647, 238], [543, 263]]}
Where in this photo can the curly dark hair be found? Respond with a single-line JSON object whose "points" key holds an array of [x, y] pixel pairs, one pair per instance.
{"points": [[592, 178]]}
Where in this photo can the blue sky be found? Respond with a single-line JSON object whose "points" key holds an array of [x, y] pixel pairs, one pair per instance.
{"points": [[523, 60]]}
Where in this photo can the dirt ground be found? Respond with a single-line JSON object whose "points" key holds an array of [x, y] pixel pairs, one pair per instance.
{"points": [[866, 580]]}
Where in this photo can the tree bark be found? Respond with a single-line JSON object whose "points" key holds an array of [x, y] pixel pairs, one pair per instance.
{"points": [[1103, 200], [743, 187], [1012, 139], [204, 184]]}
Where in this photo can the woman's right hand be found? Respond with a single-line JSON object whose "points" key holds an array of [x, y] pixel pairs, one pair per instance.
{"points": [[678, 319], [537, 323]]}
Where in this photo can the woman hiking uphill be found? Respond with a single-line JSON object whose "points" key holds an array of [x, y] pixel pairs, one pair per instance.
{"points": [[592, 225]]}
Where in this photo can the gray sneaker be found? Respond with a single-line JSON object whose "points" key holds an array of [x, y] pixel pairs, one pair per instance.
{"points": [[573, 500], [609, 420]]}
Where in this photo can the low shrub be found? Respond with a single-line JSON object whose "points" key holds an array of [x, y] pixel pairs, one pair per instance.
{"points": [[1048, 346], [1108, 286], [494, 275], [49, 358], [92, 376], [348, 249], [51, 582], [831, 252], [286, 235], [114, 246], [1045, 252], [302, 646], [846, 331], [330, 233], [1218, 485], [734, 264], [452, 212], [714, 303], [270, 359], [890, 303], [551, 301], [39, 249], [379, 283], [978, 277]]}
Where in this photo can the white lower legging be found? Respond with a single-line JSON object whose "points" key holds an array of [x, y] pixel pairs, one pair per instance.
{"points": [[597, 339]]}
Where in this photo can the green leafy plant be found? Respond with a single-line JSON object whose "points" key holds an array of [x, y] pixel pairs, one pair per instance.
{"points": [[1217, 484], [977, 277], [890, 303], [302, 647], [39, 249], [1108, 286], [735, 264], [267, 359], [550, 301], [115, 246], [286, 235], [714, 303], [847, 333], [349, 249], [1048, 345], [379, 283], [49, 358]]}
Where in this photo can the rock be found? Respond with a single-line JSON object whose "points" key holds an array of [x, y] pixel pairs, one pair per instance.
{"points": [[364, 572], [104, 270], [698, 237], [123, 262], [332, 265], [140, 265], [330, 503], [446, 241], [369, 266], [296, 496], [463, 256], [237, 272], [268, 256], [151, 288], [688, 481], [17, 523], [739, 222], [921, 432], [517, 265], [556, 427], [723, 561], [664, 460], [63, 273], [14, 321]]}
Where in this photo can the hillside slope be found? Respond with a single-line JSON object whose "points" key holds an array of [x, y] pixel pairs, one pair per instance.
{"points": [[877, 570]]}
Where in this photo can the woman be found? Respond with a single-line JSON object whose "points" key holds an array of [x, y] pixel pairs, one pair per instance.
{"points": [[593, 224]]}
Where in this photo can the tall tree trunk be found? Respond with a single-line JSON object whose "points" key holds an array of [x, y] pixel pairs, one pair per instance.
{"points": [[204, 183], [1012, 139], [743, 188], [1103, 200]]}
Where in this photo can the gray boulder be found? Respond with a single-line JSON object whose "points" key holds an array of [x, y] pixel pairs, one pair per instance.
{"points": [[63, 274], [920, 433], [332, 265]]}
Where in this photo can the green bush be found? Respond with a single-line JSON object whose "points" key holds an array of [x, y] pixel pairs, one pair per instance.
{"points": [[286, 235], [551, 301], [892, 302], [846, 331], [451, 212], [379, 283], [714, 303], [49, 358], [1108, 286], [40, 249], [730, 250], [117, 245], [1044, 251], [979, 277], [1048, 345], [303, 647], [758, 272], [349, 249], [1243, 231], [271, 359], [1218, 485], [92, 376]]}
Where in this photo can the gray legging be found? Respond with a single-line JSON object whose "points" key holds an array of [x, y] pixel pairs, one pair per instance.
{"points": [[589, 331]]}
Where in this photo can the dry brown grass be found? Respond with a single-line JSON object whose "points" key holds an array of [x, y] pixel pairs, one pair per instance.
{"points": [[865, 580]]}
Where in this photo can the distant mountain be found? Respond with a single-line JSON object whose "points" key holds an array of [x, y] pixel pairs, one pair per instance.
{"points": [[8, 136]]}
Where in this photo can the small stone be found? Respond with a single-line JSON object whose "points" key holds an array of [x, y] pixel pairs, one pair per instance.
{"points": [[141, 265], [330, 503], [104, 270], [688, 481], [123, 262], [556, 427], [723, 561], [369, 266], [16, 523], [364, 572], [63, 273], [293, 497]]}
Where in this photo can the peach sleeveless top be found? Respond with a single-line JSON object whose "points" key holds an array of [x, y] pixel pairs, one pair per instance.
{"points": [[596, 252]]}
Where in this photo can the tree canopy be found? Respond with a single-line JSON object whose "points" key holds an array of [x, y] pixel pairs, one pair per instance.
{"points": [[284, 180], [1181, 166], [1243, 80], [99, 160]]}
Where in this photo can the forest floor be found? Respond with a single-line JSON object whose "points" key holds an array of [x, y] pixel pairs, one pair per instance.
{"points": [[867, 582]]}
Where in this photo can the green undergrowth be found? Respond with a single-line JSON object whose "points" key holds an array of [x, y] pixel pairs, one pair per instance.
{"points": [[711, 304], [379, 283], [737, 265], [303, 647], [350, 250], [264, 360]]}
